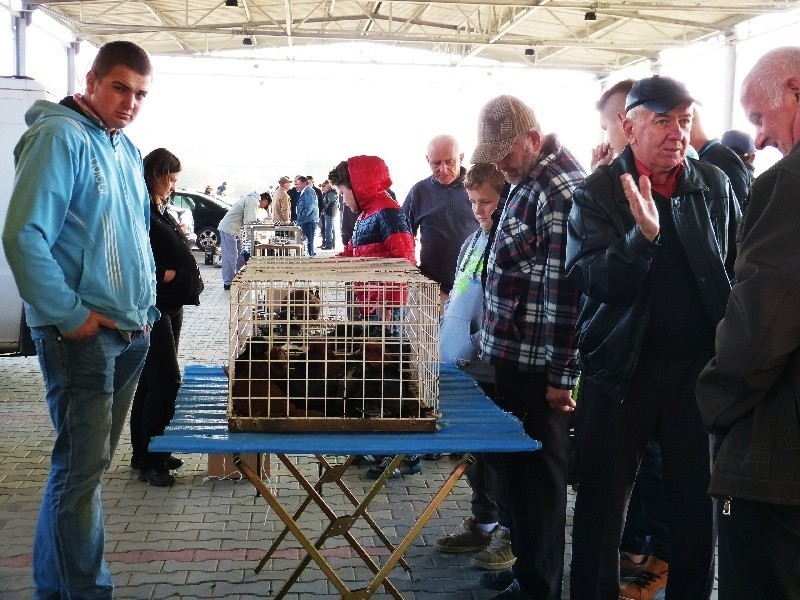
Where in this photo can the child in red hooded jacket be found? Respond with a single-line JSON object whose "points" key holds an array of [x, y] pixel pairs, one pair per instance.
{"points": [[381, 229]]}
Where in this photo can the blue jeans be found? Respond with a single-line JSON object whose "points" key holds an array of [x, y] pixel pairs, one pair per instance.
{"points": [[330, 242], [89, 386], [309, 230]]}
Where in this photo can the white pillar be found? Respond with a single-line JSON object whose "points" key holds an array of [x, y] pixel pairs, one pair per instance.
{"points": [[730, 80]]}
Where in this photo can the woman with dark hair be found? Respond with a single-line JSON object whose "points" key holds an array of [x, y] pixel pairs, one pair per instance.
{"points": [[178, 283]]}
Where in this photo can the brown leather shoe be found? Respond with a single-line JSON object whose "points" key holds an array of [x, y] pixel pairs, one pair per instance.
{"points": [[630, 565], [648, 582]]}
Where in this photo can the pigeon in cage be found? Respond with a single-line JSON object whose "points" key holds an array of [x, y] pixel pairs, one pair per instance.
{"points": [[319, 381], [300, 305], [259, 384]]}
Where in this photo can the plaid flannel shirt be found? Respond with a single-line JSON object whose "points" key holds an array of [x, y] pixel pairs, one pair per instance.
{"points": [[530, 308]]}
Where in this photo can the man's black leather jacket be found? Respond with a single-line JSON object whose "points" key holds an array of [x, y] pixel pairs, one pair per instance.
{"points": [[608, 259]]}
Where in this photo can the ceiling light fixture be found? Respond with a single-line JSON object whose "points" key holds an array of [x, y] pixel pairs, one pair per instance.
{"points": [[248, 41], [530, 51], [590, 16], [231, 2]]}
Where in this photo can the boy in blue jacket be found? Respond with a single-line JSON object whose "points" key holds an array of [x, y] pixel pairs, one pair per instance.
{"points": [[459, 343]]}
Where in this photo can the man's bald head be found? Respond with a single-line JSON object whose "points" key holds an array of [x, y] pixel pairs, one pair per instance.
{"points": [[444, 158]]}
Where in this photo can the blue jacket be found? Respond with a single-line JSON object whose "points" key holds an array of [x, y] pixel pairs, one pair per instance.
{"points": [[76, 234], [307, 208], [459, 329]]}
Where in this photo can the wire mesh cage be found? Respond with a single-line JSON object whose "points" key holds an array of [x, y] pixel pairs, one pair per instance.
{"points": [[333, 345], [273, 239]]}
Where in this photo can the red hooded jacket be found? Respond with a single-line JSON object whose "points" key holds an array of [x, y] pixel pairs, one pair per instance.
{"points": [[381, 230]]}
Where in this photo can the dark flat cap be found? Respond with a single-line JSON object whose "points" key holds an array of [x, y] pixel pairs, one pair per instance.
{"points": [[659, 94]]}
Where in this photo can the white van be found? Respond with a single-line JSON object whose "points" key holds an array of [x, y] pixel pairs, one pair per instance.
{"points": [[16, 96]]}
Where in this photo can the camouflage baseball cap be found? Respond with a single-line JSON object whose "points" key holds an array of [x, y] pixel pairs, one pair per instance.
{"points": [[502, 120]]}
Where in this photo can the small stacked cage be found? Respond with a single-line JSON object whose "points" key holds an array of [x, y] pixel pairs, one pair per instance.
{"points": [[337, 344], [273, 239]]}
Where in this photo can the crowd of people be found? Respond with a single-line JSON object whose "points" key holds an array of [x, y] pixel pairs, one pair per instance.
{"points": [[640, 279]]}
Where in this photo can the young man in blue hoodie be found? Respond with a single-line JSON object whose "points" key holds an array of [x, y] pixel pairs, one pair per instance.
{"points": [[76, 238]]}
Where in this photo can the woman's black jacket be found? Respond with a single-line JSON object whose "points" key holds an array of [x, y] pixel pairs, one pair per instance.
{"points": [[171, 251]]}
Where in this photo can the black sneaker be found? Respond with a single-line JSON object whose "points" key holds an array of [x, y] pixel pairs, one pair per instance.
{"points": [[160, 477], [497, 580], [363, 460], [173, 463], [513, 592], [410, 465]]}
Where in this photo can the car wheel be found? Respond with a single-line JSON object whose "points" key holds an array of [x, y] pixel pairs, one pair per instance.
{"points": [[207, 237]]}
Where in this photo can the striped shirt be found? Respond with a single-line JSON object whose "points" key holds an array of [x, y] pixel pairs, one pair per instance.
{"points": [[530, 309]]}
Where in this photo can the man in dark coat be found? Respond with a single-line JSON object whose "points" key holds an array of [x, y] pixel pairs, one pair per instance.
{"points": [[652, 261], [748, 394]]}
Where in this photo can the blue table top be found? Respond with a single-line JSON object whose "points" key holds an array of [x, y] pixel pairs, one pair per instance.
{"points": [[470, 422]]}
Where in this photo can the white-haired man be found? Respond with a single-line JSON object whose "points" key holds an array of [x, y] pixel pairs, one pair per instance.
{"points": [[651, 245], [748, 393]]}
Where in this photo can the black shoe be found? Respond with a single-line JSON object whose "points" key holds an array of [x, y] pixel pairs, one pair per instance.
{"points": [[431, 456], [410, 465], [160, 477], [497, 580], [173, 463], [512, 592], [226, 286], [366, 459]]}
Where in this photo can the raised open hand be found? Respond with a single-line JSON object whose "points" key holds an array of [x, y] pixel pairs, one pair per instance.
{"points": [[643, 207]]}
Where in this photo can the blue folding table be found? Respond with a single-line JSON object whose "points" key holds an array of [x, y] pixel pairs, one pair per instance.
{"points": [[469, 423]]}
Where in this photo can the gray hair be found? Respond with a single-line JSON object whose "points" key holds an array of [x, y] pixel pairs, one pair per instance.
{"points": [[638, 113], [770, 73], [444, 140]]}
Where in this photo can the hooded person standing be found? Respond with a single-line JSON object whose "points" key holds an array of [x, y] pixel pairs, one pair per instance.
{"points": [[76, 239]]}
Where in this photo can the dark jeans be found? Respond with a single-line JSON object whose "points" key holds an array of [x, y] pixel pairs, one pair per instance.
{"points": [[646, 531], [759, 552], [533, 485], [154, 401], [486, 505], [660, 404]]}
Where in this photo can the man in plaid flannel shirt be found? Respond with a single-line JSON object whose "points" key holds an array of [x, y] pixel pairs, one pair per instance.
{"points": [[528, 335]]}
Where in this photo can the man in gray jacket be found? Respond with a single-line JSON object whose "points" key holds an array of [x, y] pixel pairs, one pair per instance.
{"points": [[748, 394]]}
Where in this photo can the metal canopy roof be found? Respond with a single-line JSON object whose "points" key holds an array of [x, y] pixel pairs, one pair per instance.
{"points": [[600, 36]]}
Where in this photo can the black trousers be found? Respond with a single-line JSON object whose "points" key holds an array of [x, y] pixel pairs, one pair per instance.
{"points": [[533, 485], [660, 404], [154, 402], [759, 552]]}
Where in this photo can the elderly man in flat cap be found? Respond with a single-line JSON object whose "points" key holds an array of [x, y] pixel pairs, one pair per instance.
{"points": [[651, 246], [528, 335]]}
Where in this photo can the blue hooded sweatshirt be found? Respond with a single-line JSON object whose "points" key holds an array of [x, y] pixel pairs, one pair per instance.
{"points": [[76, 233]]}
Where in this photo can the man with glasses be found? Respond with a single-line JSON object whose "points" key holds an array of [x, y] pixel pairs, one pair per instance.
{"points": [[438, 209]]}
